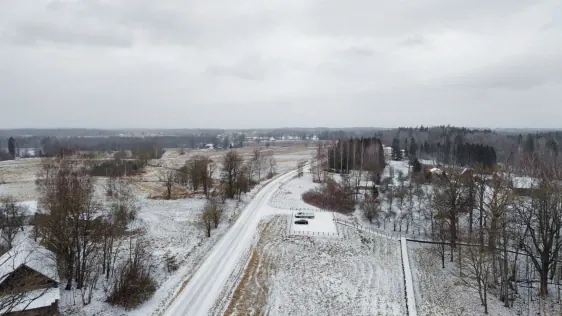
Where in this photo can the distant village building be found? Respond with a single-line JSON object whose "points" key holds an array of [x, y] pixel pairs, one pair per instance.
{"points": [[524, 186]]}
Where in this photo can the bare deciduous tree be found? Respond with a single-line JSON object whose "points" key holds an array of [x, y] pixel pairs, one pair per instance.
{"points": [[300, 167], [215, 211], [167, 177], [450, 202], [231, 165], [206, 220], [67, 193], [371, 209], [11, 219], [479, 266], [243, 183], [272, 164], [541, 215], [258, 162]]}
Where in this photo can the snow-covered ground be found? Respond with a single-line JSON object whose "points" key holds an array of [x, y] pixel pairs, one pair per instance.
{"points": [[169, 228], [439, 292], [286, 159], [259, 262], [301, 275], [17, 178], [322, 223], [204, 289], [289, 196]]}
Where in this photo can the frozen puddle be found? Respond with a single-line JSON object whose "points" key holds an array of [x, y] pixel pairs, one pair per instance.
{"points": [[322, 224]]}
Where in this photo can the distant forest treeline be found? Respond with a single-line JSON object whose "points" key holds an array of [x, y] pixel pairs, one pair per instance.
{"points": [[445, 144]]}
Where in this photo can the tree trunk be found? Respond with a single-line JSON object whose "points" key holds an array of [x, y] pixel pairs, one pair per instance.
{"points": [[453, 231], [486, 298], [481, 219], [443, 255], [492, 235], [79, 281], [505, 270], [544, 280], [69, 270], [470, 223]]}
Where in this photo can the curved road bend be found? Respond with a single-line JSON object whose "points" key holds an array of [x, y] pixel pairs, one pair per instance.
{"points": [[200, 294]]}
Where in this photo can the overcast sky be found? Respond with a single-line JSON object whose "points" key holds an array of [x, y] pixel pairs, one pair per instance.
{"points": [[274, 63]]}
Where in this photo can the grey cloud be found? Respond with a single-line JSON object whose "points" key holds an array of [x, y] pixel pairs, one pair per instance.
{"points": [[251, 68], [357, 51], [55, 5], [522, 73], [35, 33], [415, 40], [383, 18], [221, 63]]}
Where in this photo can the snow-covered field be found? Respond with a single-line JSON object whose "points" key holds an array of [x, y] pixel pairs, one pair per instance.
{"points": [[289, 195], [301, 275], [169, 228], [17, 178], [286, 159]]}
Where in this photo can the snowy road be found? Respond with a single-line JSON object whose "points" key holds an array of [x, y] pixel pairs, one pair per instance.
{"points": [[204, 288]]}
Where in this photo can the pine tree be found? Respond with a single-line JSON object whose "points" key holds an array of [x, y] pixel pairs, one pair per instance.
{"points": [[396, 150], [529, 145], [417, 167], [413, 147], [12, 147]]}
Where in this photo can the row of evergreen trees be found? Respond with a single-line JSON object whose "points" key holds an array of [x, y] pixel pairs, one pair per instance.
{"points": [[357, 153], [460, 153], [465, 154], [11, 154]]}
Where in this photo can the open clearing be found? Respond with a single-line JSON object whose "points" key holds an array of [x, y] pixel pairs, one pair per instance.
{"points": [[301, 275], [289, 195]]}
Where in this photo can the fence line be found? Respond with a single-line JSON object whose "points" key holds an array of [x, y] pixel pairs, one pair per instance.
{"points": [[309, 233], [408, 281], [369, 230], [407, 273]]}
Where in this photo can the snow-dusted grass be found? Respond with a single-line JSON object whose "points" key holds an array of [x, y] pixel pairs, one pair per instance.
{"points": [[289, 196], [358, 275], [441, 292], [17, 178], [323, 222], [167, 227], [286, 157]]}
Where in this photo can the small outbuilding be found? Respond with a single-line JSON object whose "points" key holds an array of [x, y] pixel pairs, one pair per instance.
{"points": [[29, 281]]}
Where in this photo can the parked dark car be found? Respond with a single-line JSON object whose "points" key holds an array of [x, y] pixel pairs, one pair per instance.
{"points": [[304, 215], [302, 222]]}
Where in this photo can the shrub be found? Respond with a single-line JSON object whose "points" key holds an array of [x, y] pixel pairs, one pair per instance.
{"points": [[171, 262], [331, 196], [133, 284]]}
